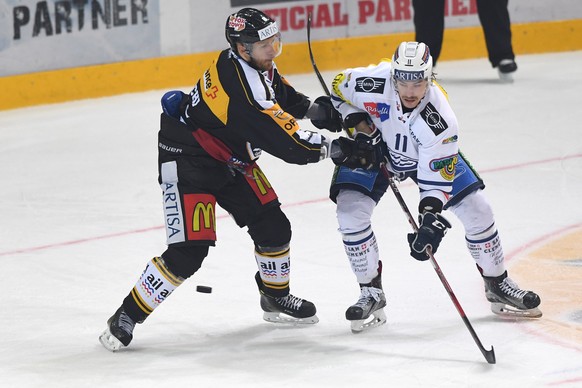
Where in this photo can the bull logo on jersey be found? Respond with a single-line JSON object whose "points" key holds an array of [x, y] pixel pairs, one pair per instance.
{"points": [[370, 85], [446, 166]]}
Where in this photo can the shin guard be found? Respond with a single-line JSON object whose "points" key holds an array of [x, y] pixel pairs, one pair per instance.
{"points": [[363, 253], [155, 284], [487, 252], [274, 269]]}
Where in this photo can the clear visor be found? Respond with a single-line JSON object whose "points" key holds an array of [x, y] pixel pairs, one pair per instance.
{"points": [[272, 46], [410, 84]]}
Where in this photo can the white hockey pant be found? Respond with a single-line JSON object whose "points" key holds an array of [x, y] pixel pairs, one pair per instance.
{"points": [[354, 212], [481, 235]]}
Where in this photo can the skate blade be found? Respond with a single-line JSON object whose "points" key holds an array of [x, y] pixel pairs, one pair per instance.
{"points": [[289, 320], [505, 77], [377, 318], [507, 311], [109, 341]]}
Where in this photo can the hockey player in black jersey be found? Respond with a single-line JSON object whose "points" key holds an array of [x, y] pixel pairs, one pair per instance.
{"points": [[208, 144]]}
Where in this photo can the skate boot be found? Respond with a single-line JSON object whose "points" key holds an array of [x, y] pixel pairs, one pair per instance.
{"points": [[119, 331], [368, 311], [507, 299], [295, 310], [506, 68]]}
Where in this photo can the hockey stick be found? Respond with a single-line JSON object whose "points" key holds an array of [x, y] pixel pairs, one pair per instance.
{"points": [[317, 73], [488, 354]]}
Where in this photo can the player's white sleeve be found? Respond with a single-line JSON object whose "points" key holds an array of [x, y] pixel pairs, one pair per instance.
{"points": [[437, 132], [342, 93]]}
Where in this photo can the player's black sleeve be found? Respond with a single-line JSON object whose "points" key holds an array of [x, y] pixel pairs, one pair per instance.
{"points": [[289, 99]]}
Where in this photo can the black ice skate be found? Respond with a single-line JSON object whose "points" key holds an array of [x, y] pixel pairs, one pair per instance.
{"points": [[295, 310], [368, 311], [507, 299], [506, 68], [119, 331]]}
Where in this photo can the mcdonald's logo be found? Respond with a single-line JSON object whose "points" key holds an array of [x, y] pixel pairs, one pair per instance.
{"points": [[200, 217], [203, 217], [261, 185], [261, 180]]}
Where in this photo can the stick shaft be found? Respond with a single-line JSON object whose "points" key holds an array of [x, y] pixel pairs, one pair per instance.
{"points": [[488, 354]]}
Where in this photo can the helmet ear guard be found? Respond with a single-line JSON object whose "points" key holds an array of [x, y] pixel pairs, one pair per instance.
{"points": [[412, 62]]}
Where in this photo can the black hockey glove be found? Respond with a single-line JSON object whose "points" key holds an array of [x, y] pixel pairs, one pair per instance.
{"points": [[432, 229], [325, 116], [364, 151]]}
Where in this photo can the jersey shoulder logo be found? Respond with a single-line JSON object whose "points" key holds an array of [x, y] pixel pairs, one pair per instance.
{"points": [[433, 119], [337, 82], [370, 85]]}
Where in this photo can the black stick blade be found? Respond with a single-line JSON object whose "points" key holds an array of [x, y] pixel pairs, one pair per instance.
{"points": [[489, 355]]}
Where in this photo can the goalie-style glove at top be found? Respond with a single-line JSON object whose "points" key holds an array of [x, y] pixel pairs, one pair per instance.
{"points": [[364, 151], [324, 116], [432, 228]]}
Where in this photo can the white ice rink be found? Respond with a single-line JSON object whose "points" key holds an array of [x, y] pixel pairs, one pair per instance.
{"points": [[81, 215]]}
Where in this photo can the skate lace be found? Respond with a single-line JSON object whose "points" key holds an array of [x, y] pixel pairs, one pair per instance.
{"points": [[510, 288], [290, 302], [125, 323], [367, 293]]}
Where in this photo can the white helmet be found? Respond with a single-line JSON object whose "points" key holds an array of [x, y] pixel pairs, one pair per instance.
{"points": [[411, 62]]}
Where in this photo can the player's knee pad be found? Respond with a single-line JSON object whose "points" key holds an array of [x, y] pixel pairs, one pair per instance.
{"points": [[270, 229], [363, 254], [354, 211], [185, 261], [475, 213]]}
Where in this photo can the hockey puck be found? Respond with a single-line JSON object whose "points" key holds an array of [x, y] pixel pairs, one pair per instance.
{"points": [[204, 289]]}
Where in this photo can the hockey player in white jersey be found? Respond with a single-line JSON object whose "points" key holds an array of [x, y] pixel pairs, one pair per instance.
{"points": [[400, 102]]}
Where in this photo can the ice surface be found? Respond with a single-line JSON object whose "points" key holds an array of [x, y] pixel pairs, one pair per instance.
{"points": [[81, 215]]}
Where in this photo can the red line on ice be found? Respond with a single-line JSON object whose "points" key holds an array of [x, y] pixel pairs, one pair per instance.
{"points": [[144, 230]]}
